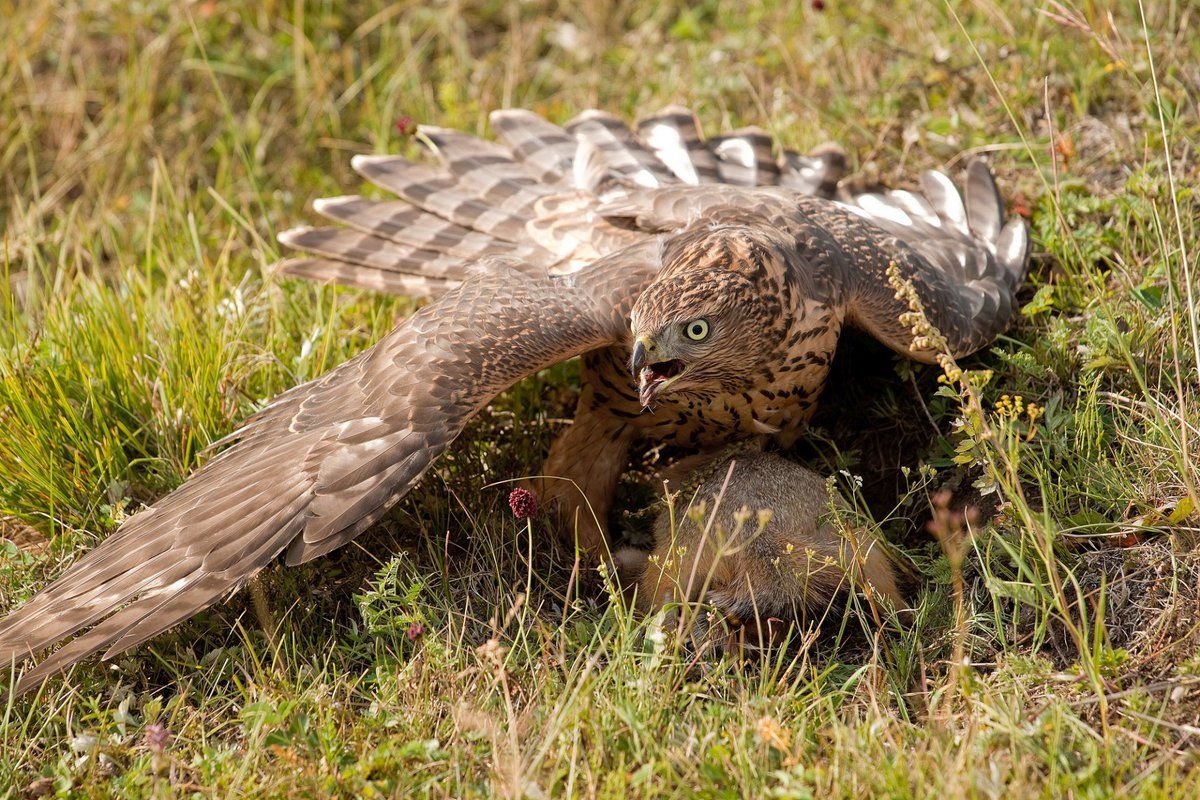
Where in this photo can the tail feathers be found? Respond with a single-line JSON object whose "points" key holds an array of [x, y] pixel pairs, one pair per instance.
{"points": [[399, 222], [579, 237], [742, 158], [674, 136], [745, 158], [817, 173], [534, 196], [621, 152], [545, 150], [466, 155], [673, 207], [486, 170], [396, 220], [591, 178], [393, 247], [343, 244]]}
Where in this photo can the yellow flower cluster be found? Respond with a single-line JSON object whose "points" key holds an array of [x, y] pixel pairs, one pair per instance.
{"points": [[1015, 407], [925, 336]]}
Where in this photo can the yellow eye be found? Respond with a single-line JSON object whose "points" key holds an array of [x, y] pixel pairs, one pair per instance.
{"points": [[697, 330]]}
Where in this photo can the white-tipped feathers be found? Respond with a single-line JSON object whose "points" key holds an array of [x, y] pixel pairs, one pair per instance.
{"points": [[535, 194], [966, 237]]}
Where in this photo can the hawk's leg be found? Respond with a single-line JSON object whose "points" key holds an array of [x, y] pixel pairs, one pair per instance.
{"points": [[586, 462]]}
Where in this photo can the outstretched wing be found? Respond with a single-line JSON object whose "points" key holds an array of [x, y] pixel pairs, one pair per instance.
{"points": [[534, 195], [325, 459], [964, 261]]}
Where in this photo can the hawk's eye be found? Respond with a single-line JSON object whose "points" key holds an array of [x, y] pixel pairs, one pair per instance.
{"points": [[697, 330]]}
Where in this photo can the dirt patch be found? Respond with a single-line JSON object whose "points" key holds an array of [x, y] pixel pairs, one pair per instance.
{"points": [[23, 536]]}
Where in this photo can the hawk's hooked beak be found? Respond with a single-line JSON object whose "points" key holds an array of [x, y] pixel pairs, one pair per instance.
{"points": [[652, 375], [641, 354]]}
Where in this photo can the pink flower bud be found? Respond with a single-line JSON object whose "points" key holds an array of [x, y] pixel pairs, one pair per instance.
{"points": [[156, 738], [406, 125]]}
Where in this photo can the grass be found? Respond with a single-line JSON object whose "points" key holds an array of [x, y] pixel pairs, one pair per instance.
{"points": [[150, 151]]}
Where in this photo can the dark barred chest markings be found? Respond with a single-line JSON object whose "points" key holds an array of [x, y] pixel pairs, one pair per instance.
{"points": [[780, 411]]}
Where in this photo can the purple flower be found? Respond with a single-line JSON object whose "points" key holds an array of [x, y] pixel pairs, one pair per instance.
{"points": [[156, 738], [523, 503]]}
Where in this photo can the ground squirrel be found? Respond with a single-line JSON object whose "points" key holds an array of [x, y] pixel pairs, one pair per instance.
{"points": [[752, 534]]}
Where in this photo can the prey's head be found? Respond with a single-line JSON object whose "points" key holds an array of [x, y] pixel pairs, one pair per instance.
{"points": [[712, 319]]}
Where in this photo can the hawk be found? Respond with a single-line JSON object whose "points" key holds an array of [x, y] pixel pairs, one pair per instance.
{"points": [[704, 282]]}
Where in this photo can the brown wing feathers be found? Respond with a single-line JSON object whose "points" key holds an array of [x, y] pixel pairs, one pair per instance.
{"points": [[532, 195], [324, 460], [960, 255]]}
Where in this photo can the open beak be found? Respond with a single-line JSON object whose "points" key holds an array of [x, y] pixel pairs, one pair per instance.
{"points": [[652, 376]]}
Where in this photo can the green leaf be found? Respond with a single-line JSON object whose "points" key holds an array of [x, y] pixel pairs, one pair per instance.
{"points": [[1183, 510]]}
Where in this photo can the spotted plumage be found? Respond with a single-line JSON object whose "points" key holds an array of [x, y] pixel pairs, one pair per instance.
{"points": [[704, 282]]}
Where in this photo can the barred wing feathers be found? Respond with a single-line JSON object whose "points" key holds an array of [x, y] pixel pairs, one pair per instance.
{"points": [[958, 252], [962, 257], [324, 460], [535, 194]]}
